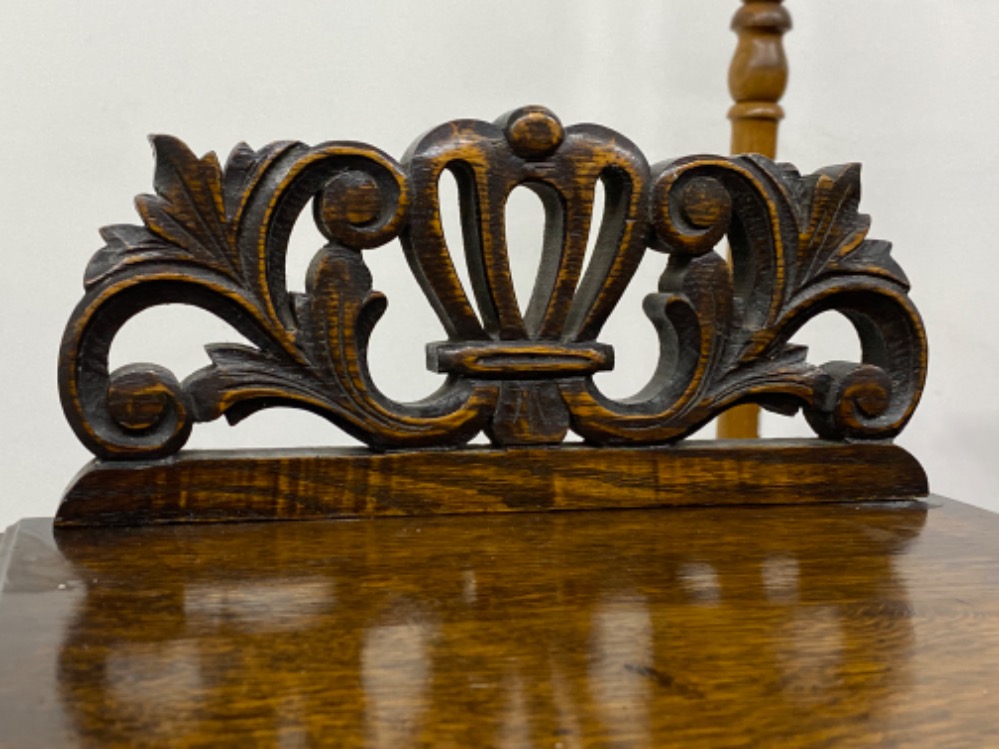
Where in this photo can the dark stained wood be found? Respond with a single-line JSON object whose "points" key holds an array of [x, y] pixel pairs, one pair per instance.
{"points": [[792, 626], [757, 78], [519, 371], [305, 484]]}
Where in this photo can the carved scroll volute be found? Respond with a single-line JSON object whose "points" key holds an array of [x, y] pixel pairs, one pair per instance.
{"points": [[216, 238], [799, 248]]}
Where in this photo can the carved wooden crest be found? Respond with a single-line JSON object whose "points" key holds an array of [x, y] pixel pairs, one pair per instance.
{"points": [[519, 370]]}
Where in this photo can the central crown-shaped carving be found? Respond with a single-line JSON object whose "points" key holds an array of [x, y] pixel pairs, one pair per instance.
{"points": [[554, 338], [217, 238]]}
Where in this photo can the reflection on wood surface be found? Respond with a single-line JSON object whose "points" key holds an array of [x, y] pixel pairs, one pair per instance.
{"points": [[834, 625], [546, 630]]}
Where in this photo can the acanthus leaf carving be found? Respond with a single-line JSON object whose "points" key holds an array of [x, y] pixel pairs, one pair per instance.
{"points": [[188, 210], [217, 237]]}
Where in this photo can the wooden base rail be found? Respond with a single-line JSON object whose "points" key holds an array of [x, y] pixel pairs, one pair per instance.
{"points": [[300, 484]]}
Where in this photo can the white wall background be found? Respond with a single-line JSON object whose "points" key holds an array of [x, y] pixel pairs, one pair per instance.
{"points": [[911, 89]]}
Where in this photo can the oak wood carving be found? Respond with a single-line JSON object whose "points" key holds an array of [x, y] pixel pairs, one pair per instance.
{"points": [[521, 371], [757, 78]]}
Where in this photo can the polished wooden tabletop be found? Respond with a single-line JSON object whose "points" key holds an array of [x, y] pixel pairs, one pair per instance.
{"points": [[833, 625]]}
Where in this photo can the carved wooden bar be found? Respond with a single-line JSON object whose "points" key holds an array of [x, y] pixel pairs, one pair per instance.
{"points": [[521, 371]]}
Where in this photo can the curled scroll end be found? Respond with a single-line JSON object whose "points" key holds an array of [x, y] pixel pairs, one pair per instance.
{"points": [[691, 208], [146, 415], [855, 401], [363, 207]]}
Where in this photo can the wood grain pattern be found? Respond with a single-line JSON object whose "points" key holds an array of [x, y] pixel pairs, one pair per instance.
{"points": [[756, 80], [306, 484], [217, 237], [519, 371], [793, 626]]}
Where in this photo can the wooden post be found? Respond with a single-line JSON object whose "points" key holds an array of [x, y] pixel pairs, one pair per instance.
{"points": [[757, 78]]}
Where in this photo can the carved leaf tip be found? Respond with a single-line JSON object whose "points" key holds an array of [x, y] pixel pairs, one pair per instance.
{"points": [[238, 169], [174, 159], [188, 209], [872, 258], [123, 243], [243, 167], [240, 376], [834, 233]]}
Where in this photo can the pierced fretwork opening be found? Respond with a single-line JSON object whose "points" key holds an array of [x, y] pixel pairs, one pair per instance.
{"points": [[828, 337], [449, 199], [534, 245]]}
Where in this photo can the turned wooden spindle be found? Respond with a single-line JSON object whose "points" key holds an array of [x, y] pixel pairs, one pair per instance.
{"points": [[757, 78]]}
